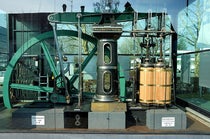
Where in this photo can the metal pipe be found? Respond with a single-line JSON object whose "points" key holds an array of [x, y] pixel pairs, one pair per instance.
{"points": [[80, 86], [54, 25], [149, 31], [163, 22], [194, 52], [134, 54], [170, 52]]}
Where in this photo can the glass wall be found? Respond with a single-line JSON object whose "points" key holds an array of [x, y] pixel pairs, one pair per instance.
{"points": [[3, 42], [42, 89], [3, 50], [193, 50]]}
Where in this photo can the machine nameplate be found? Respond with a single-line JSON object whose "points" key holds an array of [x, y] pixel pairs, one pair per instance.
{"points": [[37, 120], [168, 122]]}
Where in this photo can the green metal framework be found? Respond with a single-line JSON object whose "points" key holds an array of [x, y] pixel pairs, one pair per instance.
{"points": [[96, 18], [7, 85], [66, 18]]}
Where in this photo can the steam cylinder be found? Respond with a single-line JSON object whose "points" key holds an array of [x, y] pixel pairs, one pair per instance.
{"points": [[107, 74], [163, 85], [155, 85], [107, 60], [147, 85]]}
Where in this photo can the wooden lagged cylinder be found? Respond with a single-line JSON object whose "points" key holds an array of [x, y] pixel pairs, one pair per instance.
{"points": [[147, 85], [163, 81], [155, 85]]}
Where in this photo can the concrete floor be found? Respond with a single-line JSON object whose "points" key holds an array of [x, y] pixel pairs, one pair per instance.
{"points": [[194, 126], [8, 130]]}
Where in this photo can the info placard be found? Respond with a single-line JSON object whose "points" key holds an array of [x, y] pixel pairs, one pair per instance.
{"points": [[168, 122], [37, 120]]}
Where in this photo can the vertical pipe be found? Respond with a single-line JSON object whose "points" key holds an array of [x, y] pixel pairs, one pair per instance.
{"points": [[170, 51], [161, 47], [79, 15], [134, 55], [71, 5], [54, 25], [163, 37], [174, 60]]}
